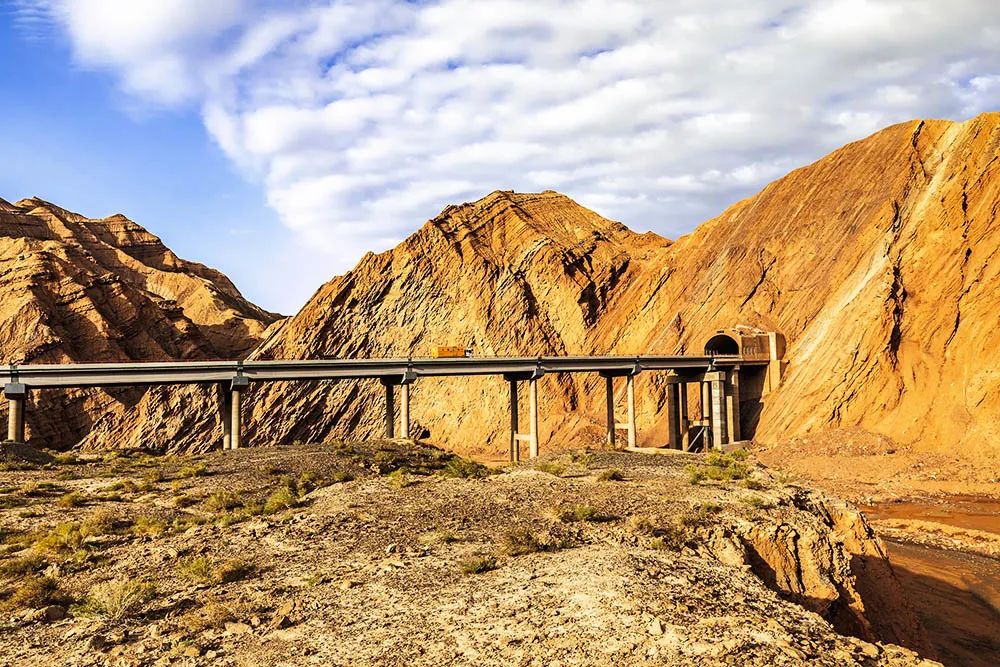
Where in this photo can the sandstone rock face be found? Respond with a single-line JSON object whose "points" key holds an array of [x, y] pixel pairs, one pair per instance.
{"points": [[75, 289], [873, 261]]}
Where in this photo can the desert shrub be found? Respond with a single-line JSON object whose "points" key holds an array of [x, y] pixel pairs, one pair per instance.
{"points": [[580, 513], [234, 569], [153, 476], [755, 501], [612, 475], [212, 615], [35, 592], [551, 467], [118, 599], [582, 457], [437, 537], [754, 484], [400, 479], [185, 500], [282, 499], [222, 501], [66, 475], [149, 526], [198, 568], [21, 566], [638, 524], [64, 538], [479, 564], [521, 541], [339, 477], [308, 481], [67, 458], [192, 470], [464, 468], [72, 499], [101, 522]]}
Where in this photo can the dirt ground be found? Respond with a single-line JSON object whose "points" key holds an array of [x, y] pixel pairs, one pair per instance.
{"points": [[391, 554]]}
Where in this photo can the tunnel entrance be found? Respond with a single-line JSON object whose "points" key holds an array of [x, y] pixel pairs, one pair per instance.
{"points": [[760, 365], [722, 344]]}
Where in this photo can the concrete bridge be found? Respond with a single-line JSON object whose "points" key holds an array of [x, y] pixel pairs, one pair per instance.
{"points": [[729, 354]]}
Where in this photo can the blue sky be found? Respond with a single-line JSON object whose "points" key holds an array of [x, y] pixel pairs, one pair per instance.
{"points": [[278, 142]]}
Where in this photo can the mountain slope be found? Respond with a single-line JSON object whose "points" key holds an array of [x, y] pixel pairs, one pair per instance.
{"points": [[75, 289], [874, 262]]}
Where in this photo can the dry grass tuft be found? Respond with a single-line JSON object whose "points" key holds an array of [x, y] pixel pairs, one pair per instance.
{"points": [[118, 599]]}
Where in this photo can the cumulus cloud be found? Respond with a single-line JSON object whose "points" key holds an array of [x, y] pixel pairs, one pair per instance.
{"points": [[362, 118]]}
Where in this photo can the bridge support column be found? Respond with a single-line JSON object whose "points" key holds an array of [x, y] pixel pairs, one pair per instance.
{"points": [[515, 445], [226, 417], [16, 394], [404, 411], [733, 403], [609, 392], [685, 418], [390, 408], [630, 400], [533, 418], [674, 415], [718, 414], [239, 383]]}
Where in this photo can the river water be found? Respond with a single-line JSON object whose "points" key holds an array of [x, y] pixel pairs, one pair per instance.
{"points": [[956, 594]]}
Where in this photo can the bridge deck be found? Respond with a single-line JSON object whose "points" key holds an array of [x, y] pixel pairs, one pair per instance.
{"points": [[40, 376]]}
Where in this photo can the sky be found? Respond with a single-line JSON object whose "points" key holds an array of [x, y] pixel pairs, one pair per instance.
{"points": [[280, 141]]}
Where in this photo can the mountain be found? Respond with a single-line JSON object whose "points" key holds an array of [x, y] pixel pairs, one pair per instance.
{"points": [[874, 262], [77, 289]]}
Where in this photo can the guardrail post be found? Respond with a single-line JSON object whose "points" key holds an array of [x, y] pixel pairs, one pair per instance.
{"points": [[16, 394], [718, 412], [239, 383]]}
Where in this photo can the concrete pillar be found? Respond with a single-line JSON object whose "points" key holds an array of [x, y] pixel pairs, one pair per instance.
{"points": [[390, 409], [226, 415], [706, 402], [515, 449], [609, 398], [673, 416], [235, 428], [630, 397], [404, 411], [16, 394], [733, 403], [718, 414], [685, 418], [533, 417]]}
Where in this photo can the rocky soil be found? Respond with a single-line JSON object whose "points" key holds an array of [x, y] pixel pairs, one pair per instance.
{"points": [[393, 554]]}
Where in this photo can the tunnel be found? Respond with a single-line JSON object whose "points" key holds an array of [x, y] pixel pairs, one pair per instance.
{"points": [[721, 344]]}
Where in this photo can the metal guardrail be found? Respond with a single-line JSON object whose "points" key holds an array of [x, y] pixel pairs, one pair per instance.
{"points": [[40, 376]]}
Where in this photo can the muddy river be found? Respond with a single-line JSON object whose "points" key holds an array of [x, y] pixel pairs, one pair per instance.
{"points": [[956, 594]]}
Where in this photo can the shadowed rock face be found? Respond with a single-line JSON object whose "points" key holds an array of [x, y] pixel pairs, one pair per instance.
{"points": [[75, 289]]}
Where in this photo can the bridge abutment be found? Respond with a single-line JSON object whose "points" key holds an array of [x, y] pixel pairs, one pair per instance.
{"points": [[16, 394]]}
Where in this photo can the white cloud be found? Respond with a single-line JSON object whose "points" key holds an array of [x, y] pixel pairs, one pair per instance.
{"points": [[363, 118]]}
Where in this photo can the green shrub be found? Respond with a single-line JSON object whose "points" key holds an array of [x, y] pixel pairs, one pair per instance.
{"points": [[521, 541], [64, 538], [35, 592], [198, 568], [282, 499], [339, 477], [222, 501], [582, 457], [479, 564], [21, 566], [611, 476], [437, 537], [551, 467], [72, 499], [464, 469], [192, 470], [399, 478], [149, 526], [118, 599], [580, 513]]}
